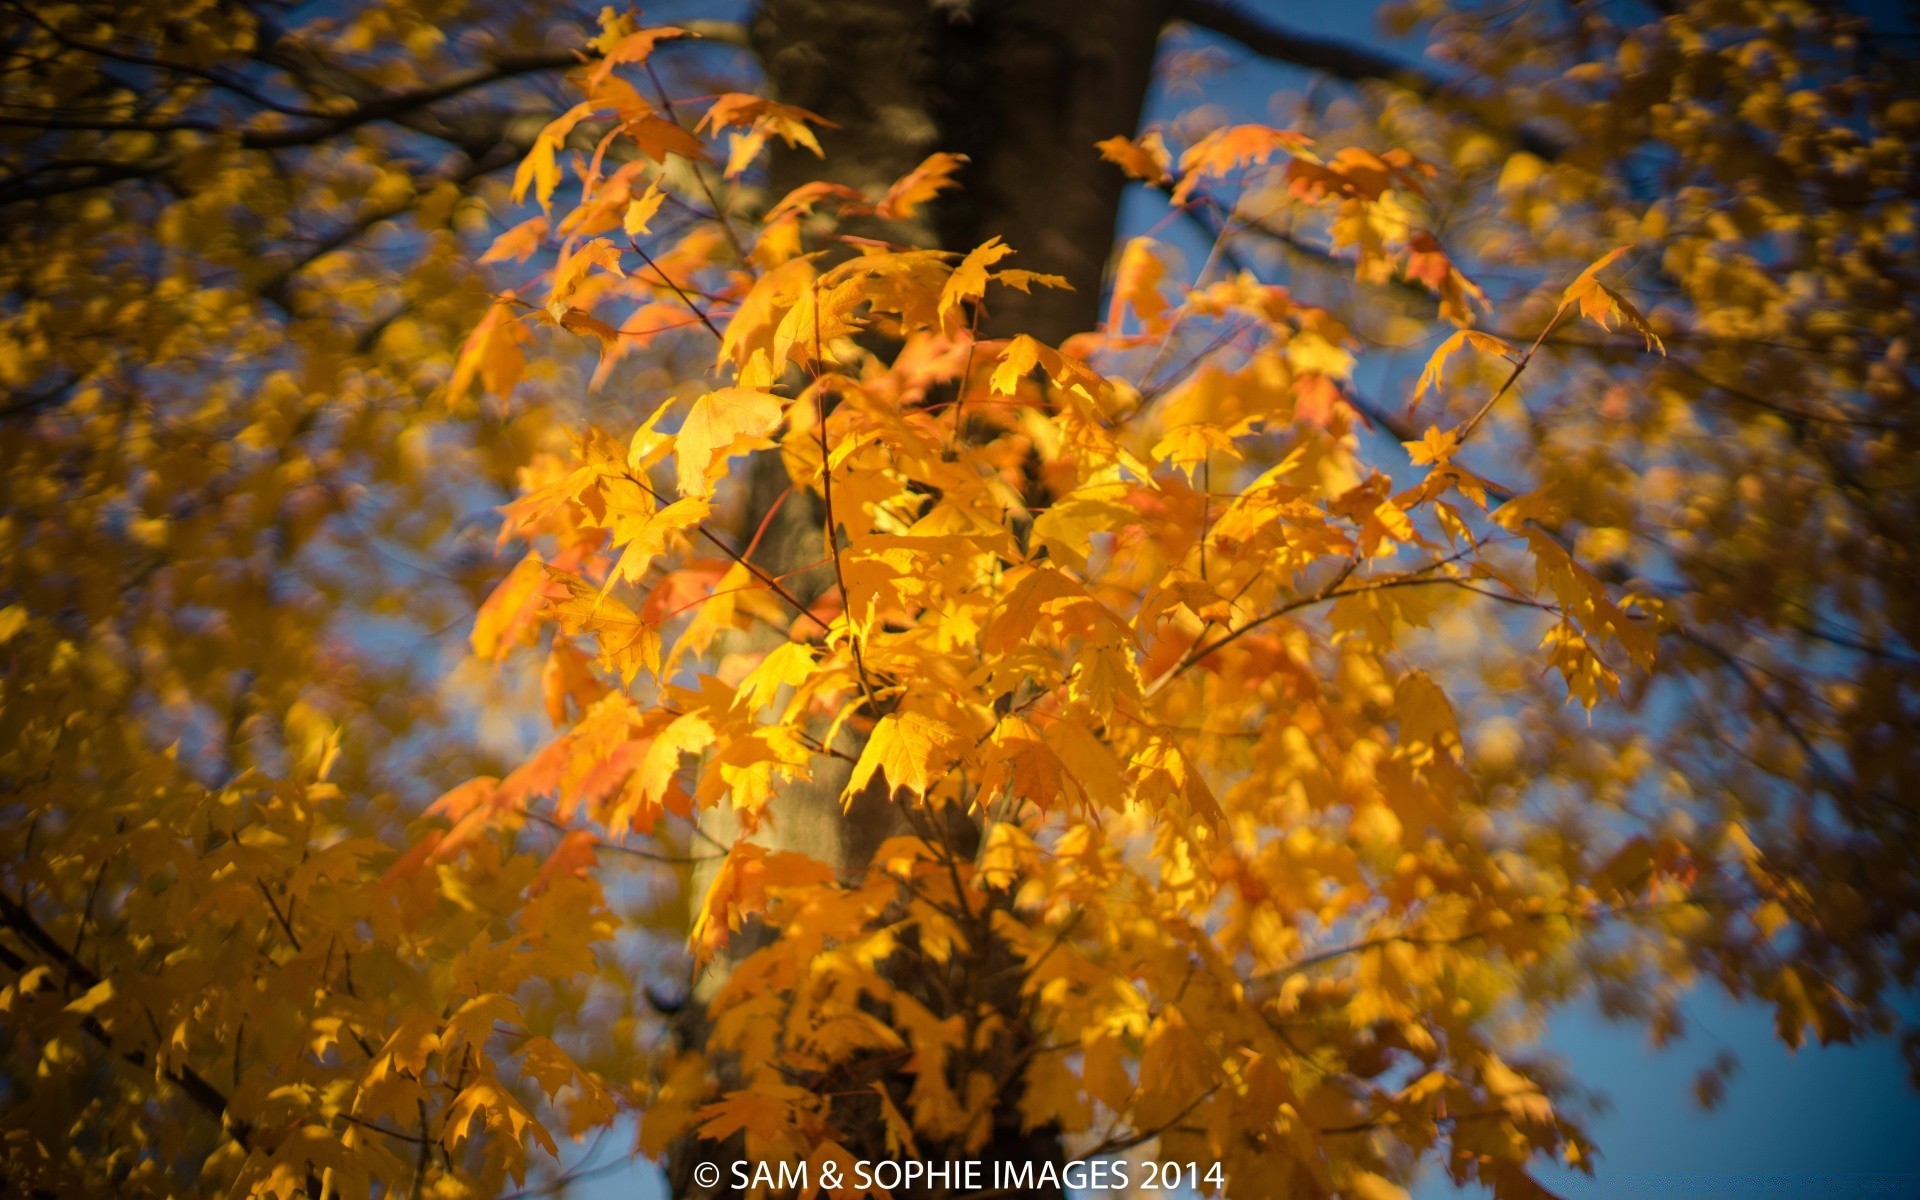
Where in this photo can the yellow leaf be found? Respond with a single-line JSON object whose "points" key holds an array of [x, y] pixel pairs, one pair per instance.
{"points": [[908, 748], [579, 321], [739, 891], [1188, 447], [1365, 1185], [657, 137], [767, 1114], [787, 665], [1173, 1069], [969, 279], [633, 50], [1437, 363], [507, 618], [1016, 361], [541, 167], [517, 243], [1435, 448], [899, 1130], [640, 212], [95, 998], [645, 535], [1601, 304], [1136, 285], [572, 271], [1144, 158], [716, 421], [627, 641]]}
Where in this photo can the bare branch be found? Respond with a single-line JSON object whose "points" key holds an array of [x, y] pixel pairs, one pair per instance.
{"points": [[1344, 60]]}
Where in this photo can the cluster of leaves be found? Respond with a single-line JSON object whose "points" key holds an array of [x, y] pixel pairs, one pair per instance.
{"points": [[1755, 482], [236, 264], [1151, 738], [1118, 652]]}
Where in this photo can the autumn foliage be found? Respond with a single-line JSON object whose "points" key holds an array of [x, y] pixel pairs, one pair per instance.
{"points": [[1160, 739]]}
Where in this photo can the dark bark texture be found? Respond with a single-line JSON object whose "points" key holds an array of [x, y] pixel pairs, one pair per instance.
{"points": [[1024, 88]]}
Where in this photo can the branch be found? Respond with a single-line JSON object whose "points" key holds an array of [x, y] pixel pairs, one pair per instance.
{"points": [[772, 582], [227, 83], [207, 1097], [1344, 60], [475, 134]]}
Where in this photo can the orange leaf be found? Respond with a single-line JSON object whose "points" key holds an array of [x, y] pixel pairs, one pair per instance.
{"points": [[1236, 146], [919, 185], [1144, 158], [575, 855], [633, 49], [511, 612], [491, 354]]}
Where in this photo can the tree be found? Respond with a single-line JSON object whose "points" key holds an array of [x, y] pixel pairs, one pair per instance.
{"points": [[995, 713]]}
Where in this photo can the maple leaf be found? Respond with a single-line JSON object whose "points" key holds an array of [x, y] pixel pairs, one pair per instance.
{"points": [[1435, 448], [575, 320], [492, 355], [1136, 285], [1188, 447], [567, 674], [628, 642], [575, 855], [807, 196], [899, 1130], [908, 749], [506, 619], [657, 137], [1431, 376], [713, 425], [632, 50], [1198, 793], [1144, 158], [541, 169], [645, 535], [641, 210], [573, 269], [1016, 362], [766, 1115], [764, 118], [1429, 264], [786, 665], [916, 187], [519, 242], [969, 280], [1229, 148], [739, 891], [1173, 1068], [484, 1105], [1601, 304]]}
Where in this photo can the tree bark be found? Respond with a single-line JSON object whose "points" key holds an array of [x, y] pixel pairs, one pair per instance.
{"points": [[1024, 90]]}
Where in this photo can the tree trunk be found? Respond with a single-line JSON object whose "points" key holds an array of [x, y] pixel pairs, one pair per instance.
{"points": [[1023, 88]]}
